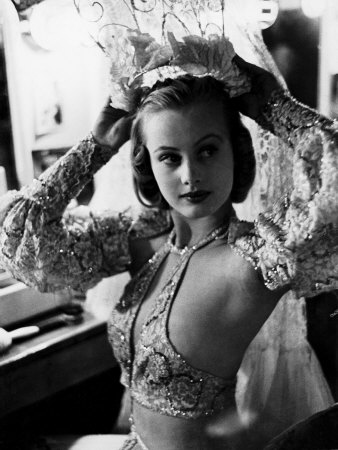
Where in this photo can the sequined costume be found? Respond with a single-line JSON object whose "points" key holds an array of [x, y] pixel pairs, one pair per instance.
{"points": [[155, 373], [294, 244], [157, 367]]}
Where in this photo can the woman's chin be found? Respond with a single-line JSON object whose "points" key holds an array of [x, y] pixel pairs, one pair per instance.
{"points": [[197, 210]]}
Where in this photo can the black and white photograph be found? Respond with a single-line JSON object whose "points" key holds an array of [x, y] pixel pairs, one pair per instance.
{"points": [[168, 224]]}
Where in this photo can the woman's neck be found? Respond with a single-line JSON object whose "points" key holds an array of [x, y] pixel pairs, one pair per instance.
{"points": [[190, 231]]}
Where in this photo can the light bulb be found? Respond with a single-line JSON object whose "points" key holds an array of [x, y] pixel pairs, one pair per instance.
{"points": [[263, 12], [267, 12], [55, 25], [313, 8]]}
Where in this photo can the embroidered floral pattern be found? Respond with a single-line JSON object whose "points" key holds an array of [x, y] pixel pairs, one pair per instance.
{"points": [[199, 47], [199, 56], [158, 376], [44, 249], [295, 243]]}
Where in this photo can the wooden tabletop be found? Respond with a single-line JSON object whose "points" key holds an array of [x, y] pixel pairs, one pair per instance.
{"points": [[46, 364]]}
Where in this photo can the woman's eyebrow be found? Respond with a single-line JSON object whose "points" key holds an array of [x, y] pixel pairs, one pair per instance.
{"points": [[203, 138], [209, 135], [166, 147]]}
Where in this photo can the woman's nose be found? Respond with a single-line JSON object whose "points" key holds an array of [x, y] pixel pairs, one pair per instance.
{"points": [[190, 173]]}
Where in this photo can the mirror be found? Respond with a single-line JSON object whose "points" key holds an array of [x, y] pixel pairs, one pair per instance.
{"points": [[57, 82]]}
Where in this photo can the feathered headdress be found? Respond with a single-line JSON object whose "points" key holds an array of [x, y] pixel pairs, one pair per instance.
{"points": [[150, 40]]}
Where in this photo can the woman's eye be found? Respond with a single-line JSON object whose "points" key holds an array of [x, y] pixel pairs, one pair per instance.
{"points": [[170, 158], [208, 150]]}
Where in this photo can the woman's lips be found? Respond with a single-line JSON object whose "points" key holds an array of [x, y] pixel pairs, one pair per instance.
{"points": [[195, 196]]}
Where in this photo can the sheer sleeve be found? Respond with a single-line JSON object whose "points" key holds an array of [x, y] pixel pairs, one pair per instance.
{"points": [[50, 250], [295, 243]]}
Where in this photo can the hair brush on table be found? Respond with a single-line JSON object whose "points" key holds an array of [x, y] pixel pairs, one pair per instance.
{"points": [[66, 318]]}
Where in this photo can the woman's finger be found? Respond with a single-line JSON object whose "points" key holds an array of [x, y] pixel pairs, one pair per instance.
{"points": [[120, 132], [113, 113], [247, 104]]}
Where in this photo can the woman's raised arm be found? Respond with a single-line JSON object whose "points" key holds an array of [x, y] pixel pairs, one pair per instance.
{"points": [[296, 242], [45, 248]]}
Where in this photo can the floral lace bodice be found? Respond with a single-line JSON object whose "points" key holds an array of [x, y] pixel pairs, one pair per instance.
{"points": [[158, 377]]}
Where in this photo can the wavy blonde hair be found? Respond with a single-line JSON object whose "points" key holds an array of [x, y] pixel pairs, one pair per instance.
{"points": [[178, 93]]}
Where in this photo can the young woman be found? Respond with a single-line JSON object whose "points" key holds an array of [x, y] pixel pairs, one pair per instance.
{"points": [[203, 283]]}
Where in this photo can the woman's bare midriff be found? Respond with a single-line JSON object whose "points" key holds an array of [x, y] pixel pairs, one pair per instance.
{"points": [[221, 431], [204, 345]]}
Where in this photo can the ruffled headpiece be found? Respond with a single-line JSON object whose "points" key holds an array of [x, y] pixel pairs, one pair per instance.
{"points": [[151, 40]]}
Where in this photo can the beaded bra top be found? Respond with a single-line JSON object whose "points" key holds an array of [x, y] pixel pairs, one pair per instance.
{"points": [[155, 372]]}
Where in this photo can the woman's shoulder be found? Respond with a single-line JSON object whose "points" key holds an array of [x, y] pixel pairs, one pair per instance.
{"points": [[228, 268], [242, 288], [236, 289], [232, 264], [257, 259]]}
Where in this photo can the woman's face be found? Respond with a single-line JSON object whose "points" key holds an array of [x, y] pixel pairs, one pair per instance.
{"points": [[191, 157]]}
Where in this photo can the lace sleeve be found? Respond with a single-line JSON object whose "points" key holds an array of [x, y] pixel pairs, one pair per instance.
{"points": [[47, 249], [296, 243]]}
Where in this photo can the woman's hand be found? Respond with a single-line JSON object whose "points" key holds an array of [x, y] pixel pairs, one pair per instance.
{"points": [[263, 84], [112, 127], [199, 56]]}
